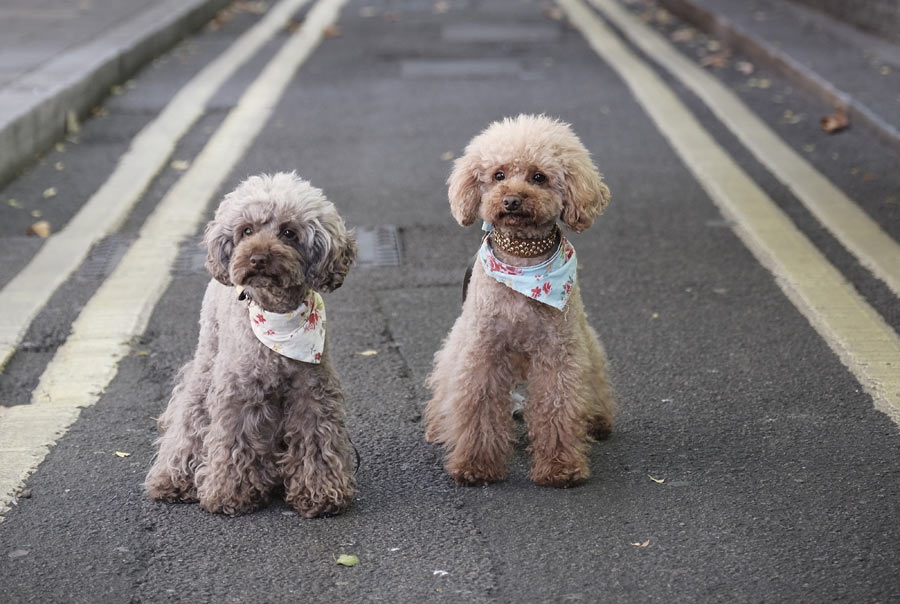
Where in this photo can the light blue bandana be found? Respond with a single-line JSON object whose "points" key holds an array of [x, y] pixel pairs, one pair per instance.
{"points": [[550, 282]]}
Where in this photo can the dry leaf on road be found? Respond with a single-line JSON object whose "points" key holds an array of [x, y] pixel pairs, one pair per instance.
{"points": [[49, 192], [332, 31], [720, 59], [745, 67], [835, 122], [40, 229], [683, 34]]}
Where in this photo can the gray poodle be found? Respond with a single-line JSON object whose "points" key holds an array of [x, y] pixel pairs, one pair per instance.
{"points": [[260, 408]]}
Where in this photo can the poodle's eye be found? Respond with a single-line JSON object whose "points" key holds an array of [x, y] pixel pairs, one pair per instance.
{"points": [[538, 178], [289, 234], [499, 175], [248, 231]]}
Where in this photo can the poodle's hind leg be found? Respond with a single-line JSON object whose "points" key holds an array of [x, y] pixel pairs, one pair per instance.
{"points": [[316, 464], [598, 394]]}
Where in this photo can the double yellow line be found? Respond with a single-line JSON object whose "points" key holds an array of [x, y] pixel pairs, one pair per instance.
{"points": [[867, 345]]}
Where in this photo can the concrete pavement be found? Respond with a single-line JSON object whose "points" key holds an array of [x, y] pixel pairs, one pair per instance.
{"points": [[59, 57], [837, 62]]}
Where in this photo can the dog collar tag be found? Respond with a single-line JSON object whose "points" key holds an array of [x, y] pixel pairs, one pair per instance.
{"points": [[298, 335], [550, 282]]}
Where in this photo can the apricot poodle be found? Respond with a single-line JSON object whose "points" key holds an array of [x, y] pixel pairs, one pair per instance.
{"points": [[259, 410], [522, 318]]}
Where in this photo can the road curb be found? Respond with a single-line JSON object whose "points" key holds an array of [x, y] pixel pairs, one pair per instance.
{"points": [[33, 110], [801, 75]]}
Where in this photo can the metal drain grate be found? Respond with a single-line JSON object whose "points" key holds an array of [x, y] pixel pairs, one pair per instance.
{"points": [[378, 246]]}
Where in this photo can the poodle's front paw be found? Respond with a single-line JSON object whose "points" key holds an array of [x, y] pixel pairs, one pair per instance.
{"points": [[162, 486], [560, 475], [470, 475], [310, 505]]}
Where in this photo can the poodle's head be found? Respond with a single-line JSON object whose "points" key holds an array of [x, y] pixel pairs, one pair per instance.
{"points": [[278, 232], [524, 173]]}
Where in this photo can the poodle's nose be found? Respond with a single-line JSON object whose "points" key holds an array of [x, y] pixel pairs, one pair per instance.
{"points": [[258, 261], [512, 203]]}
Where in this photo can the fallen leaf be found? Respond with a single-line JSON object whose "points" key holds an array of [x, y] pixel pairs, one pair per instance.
{"points": [[331, 31], [116, 90], [789, 117], [886, 70], [347, 560], [18, 553], [49, 192], [25, 494], [447, 155], [292, 26], [713, 46], [368, 353], [440, 7], [59, 166], [657, 480], [553, 12], [654, 315], [835, 122], [142, 353], [441, 573], [683, 34], [61, 148], [122, 454], [36, 213], [745, 67], [40, 229], [809, 148], [72, 125], [13, 203], [662, 16], [180, 165], [641, 544], [870, 176], [720, 59]]}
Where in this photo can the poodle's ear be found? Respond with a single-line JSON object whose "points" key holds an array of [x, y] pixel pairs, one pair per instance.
{"points": [[584, 195], [331, 249], [465, 190], [219, 245]]}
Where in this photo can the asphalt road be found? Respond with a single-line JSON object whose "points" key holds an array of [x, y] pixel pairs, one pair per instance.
{"points": [[748, 463]]}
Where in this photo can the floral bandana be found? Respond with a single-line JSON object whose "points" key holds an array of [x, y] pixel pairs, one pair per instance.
{"points": [[550, 282], [297, 335]]}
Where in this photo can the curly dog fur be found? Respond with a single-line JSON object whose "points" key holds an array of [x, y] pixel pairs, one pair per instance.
{"points": [[503, 338], [245, 422]]}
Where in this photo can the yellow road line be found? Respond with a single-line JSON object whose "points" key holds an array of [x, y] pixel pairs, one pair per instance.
{"points": [[852, 328], [849, 224], [88, 360], [26, 294]]}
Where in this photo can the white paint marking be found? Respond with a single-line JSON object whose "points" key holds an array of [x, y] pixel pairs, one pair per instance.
{"points": [[88, 360], [27, 293], [857, 232], [855, 332]]}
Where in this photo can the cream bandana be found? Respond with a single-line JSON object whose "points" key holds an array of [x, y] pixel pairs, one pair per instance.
{"points": [[550, 282], [297, 335]]}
